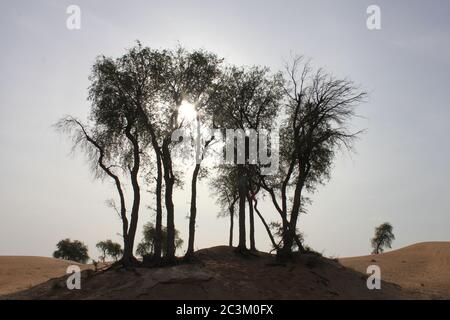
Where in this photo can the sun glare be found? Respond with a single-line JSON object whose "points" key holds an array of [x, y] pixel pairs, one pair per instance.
{"points": [[186, 112]]}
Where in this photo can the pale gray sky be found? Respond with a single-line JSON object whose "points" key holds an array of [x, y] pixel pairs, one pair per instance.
{"points": [[399, 174]]}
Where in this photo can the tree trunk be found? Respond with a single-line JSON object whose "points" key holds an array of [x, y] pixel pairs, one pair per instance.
{"points": [[169, 182], [242, 246], [301, 249], [290, 234], [252, 223], [156, 148], [377, 250], [272, 239], [134, 172], [123, 211], [231, 209], [193, 213], [158, 224]]}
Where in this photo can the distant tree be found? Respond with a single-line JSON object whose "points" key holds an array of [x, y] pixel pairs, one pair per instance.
{"points": [[147, 245], [71, 250], [103, 247], [115, 250], [383, 238], [109, 248]]}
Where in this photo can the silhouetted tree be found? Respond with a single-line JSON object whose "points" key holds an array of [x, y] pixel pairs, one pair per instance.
{"points": [[147, 245], [135, 101], [109, 248], [71, 250], [200, 146], [104, 156], [253, 200], [115, 250], [383, 238], [145, 66], [246, 99], [115, 142], [318, 110], [103, 247], [223, 183], [186, 76], [178, 75]]}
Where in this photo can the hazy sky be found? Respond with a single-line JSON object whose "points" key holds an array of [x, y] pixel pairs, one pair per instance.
{"points": [[399, 174]]}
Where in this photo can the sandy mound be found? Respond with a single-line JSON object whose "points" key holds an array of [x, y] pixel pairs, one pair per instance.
{"points": [[21, 272], [221, 274], [423, 267]]}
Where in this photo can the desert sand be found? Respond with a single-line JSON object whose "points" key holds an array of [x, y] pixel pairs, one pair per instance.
{"points": [[22, 272], [422, 267], [420, 271], [220, 274]]}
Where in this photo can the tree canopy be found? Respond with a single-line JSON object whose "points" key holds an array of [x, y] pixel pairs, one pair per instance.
{"points": [[109, 248], [71, 250], [383, 238], [134, 116]]}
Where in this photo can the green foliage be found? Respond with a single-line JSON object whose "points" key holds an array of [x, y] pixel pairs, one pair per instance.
{"points": [[246, 98], [71, 250], [383, 238], [109, 248], [147, 245]]}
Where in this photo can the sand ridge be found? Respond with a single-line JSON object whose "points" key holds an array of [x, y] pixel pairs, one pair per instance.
{"points": [[422, 267]]}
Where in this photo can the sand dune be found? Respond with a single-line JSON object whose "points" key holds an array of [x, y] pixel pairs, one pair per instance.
{"points": [[420, 271], [221, 274], [22, 272], [423, 267]]}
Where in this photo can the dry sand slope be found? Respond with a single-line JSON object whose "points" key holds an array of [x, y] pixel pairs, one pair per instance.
{"points": [[221, 274], [21, 272], [423, 267]]}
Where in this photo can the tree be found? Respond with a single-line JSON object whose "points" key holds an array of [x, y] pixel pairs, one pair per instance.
{"points": [[245, 99], [318, 109], [383, 238], [103, 247], [176, 76], [135, 100], [71, 250], [115, 250], [147, 245], [186, 77], [109, 248], [227, 195], [254, 199], [114, 93], [114, 140], [200, 146]]}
